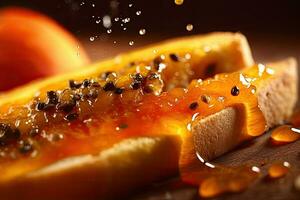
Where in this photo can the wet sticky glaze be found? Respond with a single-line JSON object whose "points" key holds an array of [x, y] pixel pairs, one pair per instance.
{"points": [[285, 134], [278, 170], [91, 115]]}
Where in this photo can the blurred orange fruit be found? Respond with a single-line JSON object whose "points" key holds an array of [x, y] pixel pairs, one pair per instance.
{"points": [[34, 46]]}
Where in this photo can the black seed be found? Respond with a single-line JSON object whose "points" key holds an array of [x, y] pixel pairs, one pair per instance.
{"points": [[131, 64], [235, 91], [105, 75], [93, 94], [40, 106], [205, 99], [153, 76], [67, 107], [25, 147], [119, 91], [193, 106], [137, 77], [174, 57], [16, 134], [52, 97], [210, 70], [109, 86], [57, 137], [96, 84], [156, 62], [49, 106], [86, 83], [33, 132], [7, 134], [74, 85], [71, 116], [123, 126], [135, 85], [76, 97]]}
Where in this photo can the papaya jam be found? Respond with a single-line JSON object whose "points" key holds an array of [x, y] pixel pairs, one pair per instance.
{"points": [[91, 115]]}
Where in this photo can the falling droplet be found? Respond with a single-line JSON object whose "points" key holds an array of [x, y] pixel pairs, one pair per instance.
{"points": [[126, 20], [78, 53], [117, 19], [109, 31], [189, 27], [142, 31], [106, 21], [98, 21], [179, 2], [93, 5], [131, 43], [92, 39], [138, 12], [124, 29], [130, 5]]}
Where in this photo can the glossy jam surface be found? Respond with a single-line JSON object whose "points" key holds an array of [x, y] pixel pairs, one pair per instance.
{"points": [[91, 115], [278, 170], [285, 134]]}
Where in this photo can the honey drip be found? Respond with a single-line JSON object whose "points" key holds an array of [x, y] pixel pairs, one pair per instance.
{"points": [[285, 134], [278, 170], [214, 180]]}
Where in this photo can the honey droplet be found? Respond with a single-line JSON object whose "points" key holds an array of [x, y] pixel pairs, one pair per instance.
{"points": [[138, 12], [285, 134], [142, 31], [278, 170], [228, 180], [179, 2], [131, 43], [109, 31], [92, 39], [189, 27]]}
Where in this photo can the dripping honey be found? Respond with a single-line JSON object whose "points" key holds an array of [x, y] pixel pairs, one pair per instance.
{"points": [[285, 134], [278, 170]]}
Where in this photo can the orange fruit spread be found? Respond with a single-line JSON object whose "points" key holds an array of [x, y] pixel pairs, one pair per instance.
{"points": [[91, 115]]}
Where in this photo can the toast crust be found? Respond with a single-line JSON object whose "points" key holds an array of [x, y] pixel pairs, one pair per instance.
{"points": [[277, 98]]}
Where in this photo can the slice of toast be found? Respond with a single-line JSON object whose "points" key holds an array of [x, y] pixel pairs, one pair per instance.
{"points": [[277, 97], [137, 161]]}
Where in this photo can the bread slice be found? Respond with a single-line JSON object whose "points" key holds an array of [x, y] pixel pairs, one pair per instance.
{"points": [[137, 161], [277, 97]]}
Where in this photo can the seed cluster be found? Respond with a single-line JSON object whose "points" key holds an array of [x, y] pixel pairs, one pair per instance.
{"points": [[80, 97]]}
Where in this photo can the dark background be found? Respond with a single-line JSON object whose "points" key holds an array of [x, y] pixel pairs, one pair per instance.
{"points": [[271, 26], [164, 16]]}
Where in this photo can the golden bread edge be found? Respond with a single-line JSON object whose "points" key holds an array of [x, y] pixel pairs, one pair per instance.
{"points": [[277, 98]]}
